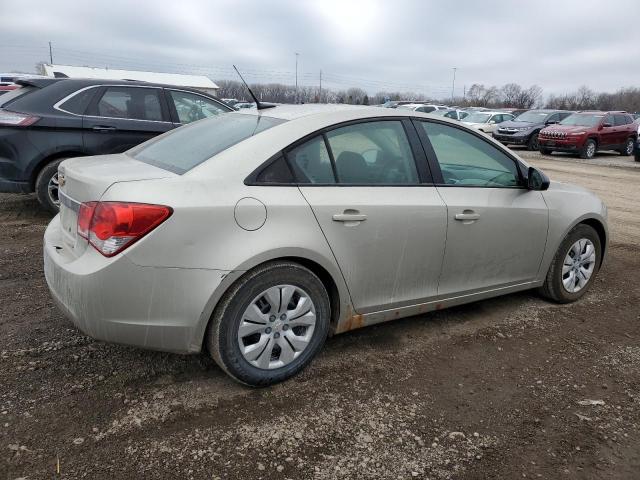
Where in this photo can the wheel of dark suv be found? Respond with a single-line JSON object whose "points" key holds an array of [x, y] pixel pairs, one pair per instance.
{"points": [[270, 324], [589, 149], [47, 186], [544, 151], [574, 266], [628, 147], [533, 142]]}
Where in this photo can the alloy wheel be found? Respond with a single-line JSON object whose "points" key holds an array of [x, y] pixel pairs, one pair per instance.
{"points": [[52, 190], [629, 147], [578, 265], [591, 150], [277, 327]]}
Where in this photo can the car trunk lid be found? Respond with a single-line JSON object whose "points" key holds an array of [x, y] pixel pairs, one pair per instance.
{"points": [[85, 179]]}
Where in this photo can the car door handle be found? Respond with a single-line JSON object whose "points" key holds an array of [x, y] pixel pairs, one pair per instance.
{"points": [[349, 216], [467, 216], [103, 128]]}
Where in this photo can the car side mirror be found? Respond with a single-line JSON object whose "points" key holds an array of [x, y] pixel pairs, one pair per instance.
{"points": [[537, 180], [551, 122], [492, 122], [607, 125]]}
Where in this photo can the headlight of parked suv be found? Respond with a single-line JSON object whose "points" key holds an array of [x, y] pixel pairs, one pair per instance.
{"points": [[523, 129], [577, 134]]}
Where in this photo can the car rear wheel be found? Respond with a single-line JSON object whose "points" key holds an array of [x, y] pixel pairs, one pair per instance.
{"points": [[628, 148], [47, 186], [574, 266], [533, 142], [270, 325], [589, 149]]}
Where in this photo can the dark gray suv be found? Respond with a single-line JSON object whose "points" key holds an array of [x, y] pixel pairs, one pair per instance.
{"points": [[524, 129], [50, 119]]}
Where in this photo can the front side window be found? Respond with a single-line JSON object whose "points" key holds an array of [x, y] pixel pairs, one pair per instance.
{"points": [[191, 107], [373, 153], [466, 160], [130, 103]]}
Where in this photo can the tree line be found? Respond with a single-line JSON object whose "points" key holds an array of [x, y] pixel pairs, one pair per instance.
{"points": [[509, 95]]}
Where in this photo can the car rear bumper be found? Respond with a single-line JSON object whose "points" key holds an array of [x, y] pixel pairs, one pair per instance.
{"points": [[115, 300]]}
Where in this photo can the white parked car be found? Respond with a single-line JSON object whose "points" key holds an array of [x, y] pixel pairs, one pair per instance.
{"points": [[487, 122], [422, 107], [255, 235]]}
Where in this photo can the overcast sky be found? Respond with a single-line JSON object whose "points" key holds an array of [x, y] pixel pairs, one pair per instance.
{"points": [[377, 45]]}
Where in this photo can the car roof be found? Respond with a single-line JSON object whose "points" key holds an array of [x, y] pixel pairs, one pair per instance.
{"points": [[291, 112], [86, 82]]}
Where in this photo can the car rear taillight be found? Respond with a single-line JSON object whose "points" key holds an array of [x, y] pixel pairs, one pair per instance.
{"points": [[113, 226], [14, 119]]}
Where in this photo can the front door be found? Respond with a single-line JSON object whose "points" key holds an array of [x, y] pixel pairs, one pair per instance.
{"points": [[121, 117], [496, 228], [609, 133], [384, 223]]}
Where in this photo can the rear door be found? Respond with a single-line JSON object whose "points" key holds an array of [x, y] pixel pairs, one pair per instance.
{"points": [[370, 190], [121, 117], [496, 228]]}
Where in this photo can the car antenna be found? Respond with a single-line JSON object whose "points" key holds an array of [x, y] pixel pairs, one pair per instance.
{"points": [[259, 106]]}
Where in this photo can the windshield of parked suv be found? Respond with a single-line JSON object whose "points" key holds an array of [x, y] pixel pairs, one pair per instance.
{"points": [[478, 117], [582, 120], [186, 147], [532, 117]]}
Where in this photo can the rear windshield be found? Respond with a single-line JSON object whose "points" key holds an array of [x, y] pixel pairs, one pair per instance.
{"points": [[184, 148], [10, 96]]}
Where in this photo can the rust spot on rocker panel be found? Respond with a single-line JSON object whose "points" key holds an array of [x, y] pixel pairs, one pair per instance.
{"points": [[351, 322]]}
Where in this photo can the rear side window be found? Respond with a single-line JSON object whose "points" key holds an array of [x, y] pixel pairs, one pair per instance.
{"points": [[621, 119], [79, 102], [311, 162], [130, 103], [373, 153], [276, 172], [183, 148]]}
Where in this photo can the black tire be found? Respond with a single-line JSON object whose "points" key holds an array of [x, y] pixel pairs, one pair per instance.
{"points": [[588, 152], [533, 144], [48, 200], [544, 151], [553, 289], [221, 338], [628, 147]]}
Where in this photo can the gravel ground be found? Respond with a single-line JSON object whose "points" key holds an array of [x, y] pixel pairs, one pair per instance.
{"points": [[512, 387]]}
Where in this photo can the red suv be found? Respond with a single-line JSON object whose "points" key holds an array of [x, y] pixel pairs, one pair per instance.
{"points": [[585, 133]]}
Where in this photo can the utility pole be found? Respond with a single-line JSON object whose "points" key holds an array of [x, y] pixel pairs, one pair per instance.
{"points": [[296, 76], [453, 86], [50, 54], [320, 94]]}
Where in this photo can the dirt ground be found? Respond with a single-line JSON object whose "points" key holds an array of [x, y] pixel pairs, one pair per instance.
{"points": [[513, 387]]}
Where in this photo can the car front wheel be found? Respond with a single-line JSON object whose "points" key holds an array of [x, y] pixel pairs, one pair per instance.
{"points": [[589, 149], [574, 266], [270, 325], [533, 142]]}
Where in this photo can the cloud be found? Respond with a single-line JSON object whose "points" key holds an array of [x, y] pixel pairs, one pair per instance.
{"points": [[377, 45]]}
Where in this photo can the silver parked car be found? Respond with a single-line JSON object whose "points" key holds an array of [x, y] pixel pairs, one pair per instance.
{"points": [[294, 223]]}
